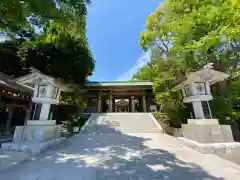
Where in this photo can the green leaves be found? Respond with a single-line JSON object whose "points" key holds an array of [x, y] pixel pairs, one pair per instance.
{"points": [[61, 50], [190, 25], [18, 15], [187, 35], [66, 57]]}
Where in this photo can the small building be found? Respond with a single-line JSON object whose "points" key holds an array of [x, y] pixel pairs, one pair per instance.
{"points": [[118, 96], [15, 103]]}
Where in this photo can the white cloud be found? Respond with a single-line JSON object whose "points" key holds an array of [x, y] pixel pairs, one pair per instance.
{"points": [[142, 60]]}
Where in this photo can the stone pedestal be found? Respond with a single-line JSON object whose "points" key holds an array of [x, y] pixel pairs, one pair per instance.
{"points": [[35, 136], [207, 133], [203, 121], [37, 131]]}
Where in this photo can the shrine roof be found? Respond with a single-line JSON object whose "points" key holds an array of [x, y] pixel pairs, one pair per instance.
{"points": [[118, 83], [11, 83]]}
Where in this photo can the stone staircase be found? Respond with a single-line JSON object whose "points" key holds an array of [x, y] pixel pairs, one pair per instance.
{"points": [[124, 122]]}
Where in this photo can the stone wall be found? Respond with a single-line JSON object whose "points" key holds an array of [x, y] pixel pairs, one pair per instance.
{"points": [[176, 132]]}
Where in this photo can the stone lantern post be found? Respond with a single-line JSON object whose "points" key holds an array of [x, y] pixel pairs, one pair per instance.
{"points": [[203, 132], [42, 130]]}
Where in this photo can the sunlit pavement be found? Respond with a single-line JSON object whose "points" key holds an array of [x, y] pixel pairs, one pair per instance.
{"points": [[122, 156], [118, 147]]}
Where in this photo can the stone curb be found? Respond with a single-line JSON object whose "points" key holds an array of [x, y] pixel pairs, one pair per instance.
{"points": [[86, 123], [210, 148], [32, 148], [156, 122]]}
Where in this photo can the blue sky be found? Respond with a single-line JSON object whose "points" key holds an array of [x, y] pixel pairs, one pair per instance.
{"points": [[113, 30]]}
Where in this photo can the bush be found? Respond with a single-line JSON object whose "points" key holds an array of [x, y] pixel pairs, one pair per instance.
{"points": [[163, 117], [163, 120]]}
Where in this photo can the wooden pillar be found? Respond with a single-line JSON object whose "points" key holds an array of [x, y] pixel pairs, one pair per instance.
{"points": [[110, 105], [132, 104], [99, 103], [144, 103], [9, 119], [113, 104]]}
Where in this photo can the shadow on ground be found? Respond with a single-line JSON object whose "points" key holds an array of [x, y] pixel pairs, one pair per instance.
{"points": [[109, 155]]}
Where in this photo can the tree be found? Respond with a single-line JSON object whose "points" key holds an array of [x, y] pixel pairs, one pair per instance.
{"points": [[66, 57], [164, 72], [10, 62], [61, 50], [206, 29], [191, 34], [19, 17], [147, 72]]}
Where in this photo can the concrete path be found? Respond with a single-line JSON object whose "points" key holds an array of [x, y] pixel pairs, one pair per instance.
{"points": [[11, 158], [122, 155]]}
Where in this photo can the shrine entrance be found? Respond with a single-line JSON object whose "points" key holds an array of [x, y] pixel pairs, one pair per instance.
{"points": [[121, 105], [118, 96]]}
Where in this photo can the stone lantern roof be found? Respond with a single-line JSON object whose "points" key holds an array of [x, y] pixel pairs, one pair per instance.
{"points": [[36, 77], [204, 75]]}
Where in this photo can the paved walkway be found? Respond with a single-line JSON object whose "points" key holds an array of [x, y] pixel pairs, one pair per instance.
{"points": [[122, 155], [10, 158]]}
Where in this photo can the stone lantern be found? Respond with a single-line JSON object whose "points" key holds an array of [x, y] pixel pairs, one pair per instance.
{"points": [[196, 90], [41, 130], [203, 132], [196, 93]]}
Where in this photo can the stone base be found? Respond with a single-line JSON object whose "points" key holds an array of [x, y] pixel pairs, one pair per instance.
{"points": [[203, 121], [207, 133], [211, 148], [41, 122], [36, 132], [33, 148]]}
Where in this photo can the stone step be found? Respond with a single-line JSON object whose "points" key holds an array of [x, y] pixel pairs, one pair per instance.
{"points": [[124, 122]]}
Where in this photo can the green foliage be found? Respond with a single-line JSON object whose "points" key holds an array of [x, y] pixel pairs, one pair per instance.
{"points": [[17, 17], [10, 63], [67, 58], [75, 121], [161, 117], [147, 72], [184, 36], [60, 50]]}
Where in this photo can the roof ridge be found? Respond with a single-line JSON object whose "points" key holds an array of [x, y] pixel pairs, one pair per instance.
{"points": [[118, 81]]}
